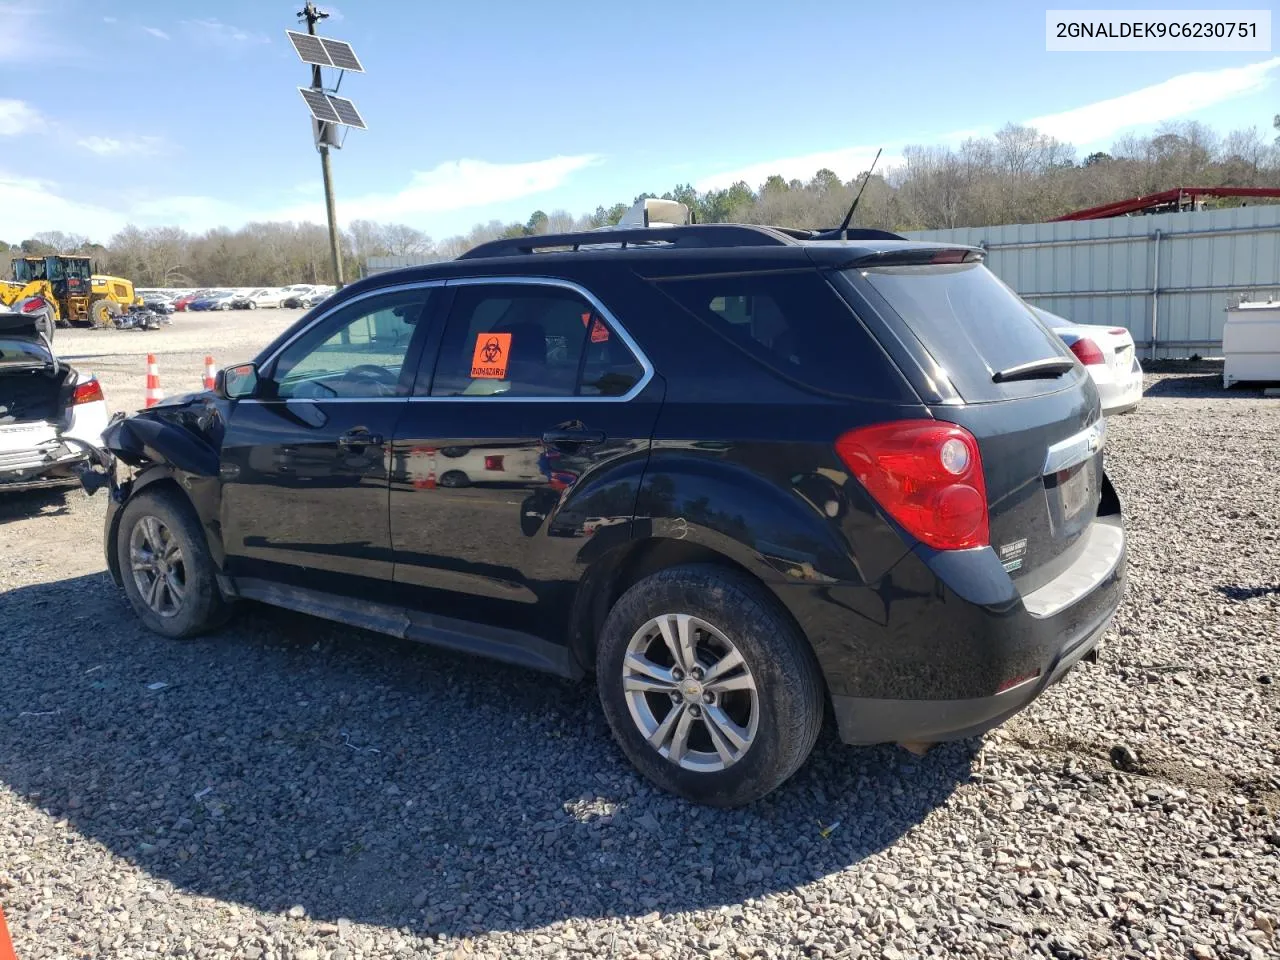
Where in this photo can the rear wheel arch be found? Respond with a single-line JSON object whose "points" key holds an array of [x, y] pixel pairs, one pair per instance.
{"points": [[614, 574]]}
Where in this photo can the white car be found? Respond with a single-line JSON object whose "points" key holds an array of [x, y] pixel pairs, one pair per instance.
{"points": [[1109, 356], [48, 410]]}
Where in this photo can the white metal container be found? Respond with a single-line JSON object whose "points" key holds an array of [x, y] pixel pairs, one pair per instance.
{"points": [[1251, 343]]}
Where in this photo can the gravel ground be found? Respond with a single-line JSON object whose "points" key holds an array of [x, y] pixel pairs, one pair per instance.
{"points": [[294, 790]]}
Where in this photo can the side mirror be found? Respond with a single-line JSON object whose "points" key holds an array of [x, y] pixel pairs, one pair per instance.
{"points": [[238, 382]]}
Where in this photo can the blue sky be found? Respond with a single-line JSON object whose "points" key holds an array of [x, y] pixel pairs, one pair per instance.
{"points": [[159, 111]]}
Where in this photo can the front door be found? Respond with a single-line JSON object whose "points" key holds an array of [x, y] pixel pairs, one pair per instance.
{"points": [[520, 458], [304, 463]]}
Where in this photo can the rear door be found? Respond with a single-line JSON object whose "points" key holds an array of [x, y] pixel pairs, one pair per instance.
{"points": [[519, 456], [304, 464], [1040, 434]]}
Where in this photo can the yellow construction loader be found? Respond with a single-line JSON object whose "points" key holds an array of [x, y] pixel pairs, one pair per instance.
{"points": [[63, 289]]}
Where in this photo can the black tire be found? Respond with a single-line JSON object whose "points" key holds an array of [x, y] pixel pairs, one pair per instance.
{"points": [[252, 305], [788, 683], [102, 313], [203, 608]]}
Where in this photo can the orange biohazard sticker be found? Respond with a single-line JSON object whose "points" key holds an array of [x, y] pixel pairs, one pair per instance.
{"points": [[489, 361], [599, 332]]}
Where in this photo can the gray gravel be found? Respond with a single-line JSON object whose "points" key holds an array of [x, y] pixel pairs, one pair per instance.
{"points": [[299, 791]]}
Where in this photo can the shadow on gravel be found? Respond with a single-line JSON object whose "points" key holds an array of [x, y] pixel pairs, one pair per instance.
{"points": [[1201, 386], [50, 502], [291, 761], [1233, 592]]}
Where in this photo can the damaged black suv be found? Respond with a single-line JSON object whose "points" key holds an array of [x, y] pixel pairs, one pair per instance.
{"points": [[745, 475]]}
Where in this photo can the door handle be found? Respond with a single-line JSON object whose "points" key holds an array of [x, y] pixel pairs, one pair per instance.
{"points": [[578, 436], [357, 438]]}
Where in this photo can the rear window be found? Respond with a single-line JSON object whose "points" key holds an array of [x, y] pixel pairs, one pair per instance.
{"points": [[23, 352], [969, 321], [796, 325]]}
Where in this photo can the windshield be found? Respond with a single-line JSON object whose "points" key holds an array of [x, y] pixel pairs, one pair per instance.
{"points": [[76, 268], [24, 271]]}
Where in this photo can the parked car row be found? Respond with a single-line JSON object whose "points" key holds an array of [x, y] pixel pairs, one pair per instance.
{"points": [[298, 295]]}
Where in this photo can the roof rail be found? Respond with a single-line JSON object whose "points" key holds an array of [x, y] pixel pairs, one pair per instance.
{"points": [[672, 237]]}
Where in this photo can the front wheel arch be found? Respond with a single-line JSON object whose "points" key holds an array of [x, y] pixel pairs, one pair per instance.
{"points": [[151, 478]]}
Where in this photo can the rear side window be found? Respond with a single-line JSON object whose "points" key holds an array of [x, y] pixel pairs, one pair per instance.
{"points": [[969, 321], [526, 340], [793, 323]]}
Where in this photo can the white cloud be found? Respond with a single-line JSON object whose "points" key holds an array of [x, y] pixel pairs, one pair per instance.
{"points": [[1094, 122], [32, 205], [450, 186], [1175, 97], [18, 117], [847, 162], [156, 32], [454, 185], [216, 33], [111, 147], [28, 35]]}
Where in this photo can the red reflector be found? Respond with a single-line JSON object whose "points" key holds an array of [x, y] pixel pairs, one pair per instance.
{"points": [[1016, 682], [1118, 331], [32, 305], [902, 465], [87, 392], [1087, 351], [493, 463]]}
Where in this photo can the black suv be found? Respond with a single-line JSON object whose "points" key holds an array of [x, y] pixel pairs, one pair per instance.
{"points": [[743, 474]]}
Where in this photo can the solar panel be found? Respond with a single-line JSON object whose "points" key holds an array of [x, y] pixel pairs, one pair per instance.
{"points": [[347, 112], [341, 54], [321, 109], [309, 48]]}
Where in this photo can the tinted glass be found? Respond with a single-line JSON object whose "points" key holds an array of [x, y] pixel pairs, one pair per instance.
{"points": [[522, 340], [359, 352], [970, 322], [792, 322]]}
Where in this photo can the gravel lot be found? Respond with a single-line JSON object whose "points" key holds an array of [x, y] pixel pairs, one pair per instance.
{"points": [[295, 790]]}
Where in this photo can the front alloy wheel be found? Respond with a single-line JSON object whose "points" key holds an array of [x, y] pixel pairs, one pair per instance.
{"points": [[690, 693], [159, 569]]}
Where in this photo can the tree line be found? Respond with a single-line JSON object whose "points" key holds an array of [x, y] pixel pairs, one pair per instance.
{"points": [[1018, 175]]}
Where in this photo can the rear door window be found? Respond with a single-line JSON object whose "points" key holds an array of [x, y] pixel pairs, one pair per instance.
{"points": [[795, 324], [970, 323]]}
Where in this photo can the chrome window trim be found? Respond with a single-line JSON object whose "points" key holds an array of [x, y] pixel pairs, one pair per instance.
{"points": [[1077, 448], [599, 307], [577, 288]]}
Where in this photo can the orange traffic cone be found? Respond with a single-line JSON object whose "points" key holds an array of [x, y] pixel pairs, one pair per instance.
{"points": [[154, 393], [6, 945], [210, 375]]}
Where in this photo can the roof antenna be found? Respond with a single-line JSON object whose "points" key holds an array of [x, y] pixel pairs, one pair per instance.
{"points": [[843, 233]]}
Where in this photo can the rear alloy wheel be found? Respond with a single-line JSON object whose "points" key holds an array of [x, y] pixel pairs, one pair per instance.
{"points": [[690, 693], [709, 688], [165, 564], [252, 305]]}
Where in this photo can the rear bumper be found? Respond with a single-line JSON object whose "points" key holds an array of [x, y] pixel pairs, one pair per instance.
{"points": [[865, 720], [978, 651], [1119, 392], [49, 465]]}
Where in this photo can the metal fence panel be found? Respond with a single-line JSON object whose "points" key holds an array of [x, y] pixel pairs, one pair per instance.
{"points": [[1167, 278]]}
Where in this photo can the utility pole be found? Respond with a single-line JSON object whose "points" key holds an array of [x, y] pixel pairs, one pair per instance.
{"points": [[311, 15]]}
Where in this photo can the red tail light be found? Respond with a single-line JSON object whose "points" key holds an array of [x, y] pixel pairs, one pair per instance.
{"points": [[1118, 331], [88, 392], [493, 463], [32, 305], [927, 475], [1087, 351]]}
